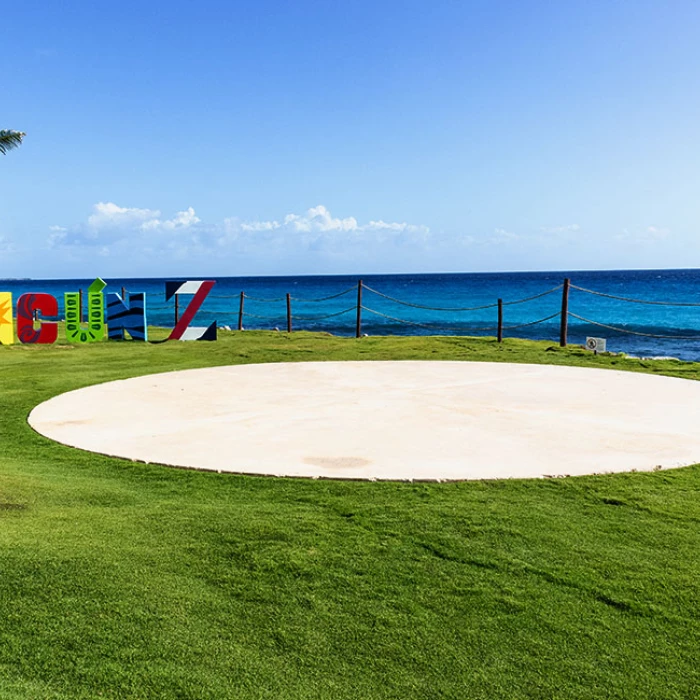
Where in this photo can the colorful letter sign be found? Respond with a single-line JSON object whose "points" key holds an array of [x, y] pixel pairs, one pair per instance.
{"points": [[96, 314], [201, 290], [122, 317], [7, 331], [47, 332]]}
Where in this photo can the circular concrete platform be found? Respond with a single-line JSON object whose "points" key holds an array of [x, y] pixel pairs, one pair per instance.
{"points": [[387, 420]]}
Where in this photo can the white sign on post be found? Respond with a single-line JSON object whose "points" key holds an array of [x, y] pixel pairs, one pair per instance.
{"points": [[595, 344]]}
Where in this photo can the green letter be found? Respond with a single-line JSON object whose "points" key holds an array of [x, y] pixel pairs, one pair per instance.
{"points": [[96, 314]]}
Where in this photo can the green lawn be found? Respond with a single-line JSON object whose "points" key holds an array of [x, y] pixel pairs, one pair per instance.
{"points": [[125, 580]]}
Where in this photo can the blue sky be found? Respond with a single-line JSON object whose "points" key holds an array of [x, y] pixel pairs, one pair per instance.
{"points": [[235, 138]]}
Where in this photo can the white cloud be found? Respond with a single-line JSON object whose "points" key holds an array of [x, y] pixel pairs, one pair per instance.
{"points": [[500, 235], [403, 226], [569, 228], [57, 236], [650, 234], [319, 219], [315, 223], [109, 223], [183, 219], [259, 225], [315, 234], [533, 241], [112, 229], [110, 215]]}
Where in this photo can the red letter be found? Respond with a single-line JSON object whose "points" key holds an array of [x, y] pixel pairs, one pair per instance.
{"points": [[47, 331]]}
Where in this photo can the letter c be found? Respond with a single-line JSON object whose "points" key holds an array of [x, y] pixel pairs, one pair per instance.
{"points": [[48, 330]]}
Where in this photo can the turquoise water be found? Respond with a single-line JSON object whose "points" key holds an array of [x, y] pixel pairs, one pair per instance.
{"points": [[265, 305]]}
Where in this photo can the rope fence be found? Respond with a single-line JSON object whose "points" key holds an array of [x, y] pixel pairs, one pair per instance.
{"points": [[421, 325], [321, 318], [499, 327], [629, 332], [536, 296], [531, 323], [429, 308], [634, 301], [332, 296]]}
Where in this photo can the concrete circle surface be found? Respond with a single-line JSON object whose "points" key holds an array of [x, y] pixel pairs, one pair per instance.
{"points": [[387, 420]]}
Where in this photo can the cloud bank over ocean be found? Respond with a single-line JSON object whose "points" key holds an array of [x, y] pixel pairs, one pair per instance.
{"points": [[120, 240], [112, 231]]}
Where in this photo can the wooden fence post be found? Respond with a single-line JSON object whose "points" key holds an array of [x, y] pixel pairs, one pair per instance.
{"points": [[289, 313], [358, 327], [80, 303], [500, 320], [563, 327], [177, 309], [123, 293], [240, 312]]}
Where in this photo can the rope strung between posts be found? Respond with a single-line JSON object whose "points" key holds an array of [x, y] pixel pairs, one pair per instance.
{"points": [[227, 313], [634, 301], [532, 323], [318, 318], [270, 301], [536, 296], [483, 328], [399, 320], [624, 330], [238, 296], [461, 308], [267, 318], [430, 308], [332, 296], [423, 325], [275, 300]]}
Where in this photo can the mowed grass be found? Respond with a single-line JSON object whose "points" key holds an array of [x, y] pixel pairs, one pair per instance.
{"points": [[126, 580]]}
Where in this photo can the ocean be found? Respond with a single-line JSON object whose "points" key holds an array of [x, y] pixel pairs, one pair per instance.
{"points": [[443, 304]]}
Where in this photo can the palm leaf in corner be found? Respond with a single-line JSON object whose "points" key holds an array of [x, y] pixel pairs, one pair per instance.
{"points": [[10, 139]]}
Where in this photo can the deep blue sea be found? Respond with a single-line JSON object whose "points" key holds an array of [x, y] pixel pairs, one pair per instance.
{"points": [[265, 305]]}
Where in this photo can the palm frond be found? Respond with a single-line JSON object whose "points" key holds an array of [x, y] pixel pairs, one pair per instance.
{"points": [[10, 139]]}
